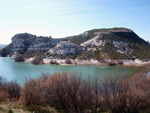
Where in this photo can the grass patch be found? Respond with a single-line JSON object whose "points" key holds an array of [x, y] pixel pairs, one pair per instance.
{"points": [[2, 109], [39, 109], [10, 111]]}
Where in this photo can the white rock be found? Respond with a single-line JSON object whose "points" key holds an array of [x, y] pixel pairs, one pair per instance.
{"points": [[64, 48]]}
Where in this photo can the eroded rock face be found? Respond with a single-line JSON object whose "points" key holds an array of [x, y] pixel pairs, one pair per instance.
{"points": [[31, 44], [21, 42], [96, 41], [64, 48], [42, 44]]}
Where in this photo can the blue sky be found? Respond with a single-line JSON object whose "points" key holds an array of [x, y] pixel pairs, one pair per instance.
{"points": [[60, 18]]}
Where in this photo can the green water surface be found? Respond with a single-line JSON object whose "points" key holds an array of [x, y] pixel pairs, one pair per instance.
{"points": [[19, 70]]}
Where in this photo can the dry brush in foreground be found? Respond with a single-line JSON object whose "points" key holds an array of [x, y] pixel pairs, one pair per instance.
{"points": [[70, 93]]}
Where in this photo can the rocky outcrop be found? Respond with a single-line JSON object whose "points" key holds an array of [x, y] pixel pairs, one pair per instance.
{"points": [[42, 44], [30, 44], [21, 43], [64, 48], [96, 41]]}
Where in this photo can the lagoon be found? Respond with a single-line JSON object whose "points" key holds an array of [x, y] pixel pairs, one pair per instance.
{"points": [[20, 70]]}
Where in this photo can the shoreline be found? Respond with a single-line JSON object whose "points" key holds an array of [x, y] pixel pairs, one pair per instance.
{"points": [[95, 62]]}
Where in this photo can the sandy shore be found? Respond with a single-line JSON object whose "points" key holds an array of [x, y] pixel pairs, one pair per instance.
{"points": [[136, 62]]}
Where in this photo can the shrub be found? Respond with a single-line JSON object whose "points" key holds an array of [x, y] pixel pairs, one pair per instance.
{"points": [[3, 90], [2, 81], [14, 90], [20, 58], [68, 61], [111, 64], [37, 61], [32, 92], [120, 62], [54, 62], [3, 95], [114, 94], [70, 93], [10, 111], [67, 92]]}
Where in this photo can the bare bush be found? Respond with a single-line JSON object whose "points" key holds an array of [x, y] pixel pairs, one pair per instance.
{"points": [[111, 64], [37, 61], [68, 61], [20, 58], [14, 90], [32, 92], [55, 89], [3, 90], [139, 93], [67, 92], [120, 62], [125, 96], [3, 95], [96, 105], [54, 62], [114, 94], [70, 93]]}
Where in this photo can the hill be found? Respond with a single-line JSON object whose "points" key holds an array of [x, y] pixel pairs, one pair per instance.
{"points": [[112, 43]]}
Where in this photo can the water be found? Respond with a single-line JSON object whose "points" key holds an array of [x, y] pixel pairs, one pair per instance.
{"points": [[19, 70]]}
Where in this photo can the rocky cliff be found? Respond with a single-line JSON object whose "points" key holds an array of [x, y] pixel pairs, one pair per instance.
{"points": [[26, 43], [113, 43], [64, 48]]}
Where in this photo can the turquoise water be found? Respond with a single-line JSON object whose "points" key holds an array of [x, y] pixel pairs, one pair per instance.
{"points": [[19, 70]]}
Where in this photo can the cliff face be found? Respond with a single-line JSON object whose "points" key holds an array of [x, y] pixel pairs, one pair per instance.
{"points": [[30, 44], [113, 43], [64, 48], [21, 43], [42, 44]]}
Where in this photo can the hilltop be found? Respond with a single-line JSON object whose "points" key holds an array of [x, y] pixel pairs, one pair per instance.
{"points": [[112, 43]]}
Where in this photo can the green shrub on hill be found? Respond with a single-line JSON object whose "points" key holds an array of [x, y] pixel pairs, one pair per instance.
{"points": [[142, 52], [80, 39], [108, 52]]}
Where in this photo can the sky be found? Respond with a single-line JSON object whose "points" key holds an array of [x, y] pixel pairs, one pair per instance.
{"points": [[61, 18]]}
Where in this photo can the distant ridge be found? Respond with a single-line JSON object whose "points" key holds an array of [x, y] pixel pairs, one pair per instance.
{"points": [[2, 46]]}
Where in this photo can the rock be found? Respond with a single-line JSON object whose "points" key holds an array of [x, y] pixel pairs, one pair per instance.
{"points": [[21, 42], [64, 48], [30, 44], [138, 61], [93, 42]]}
